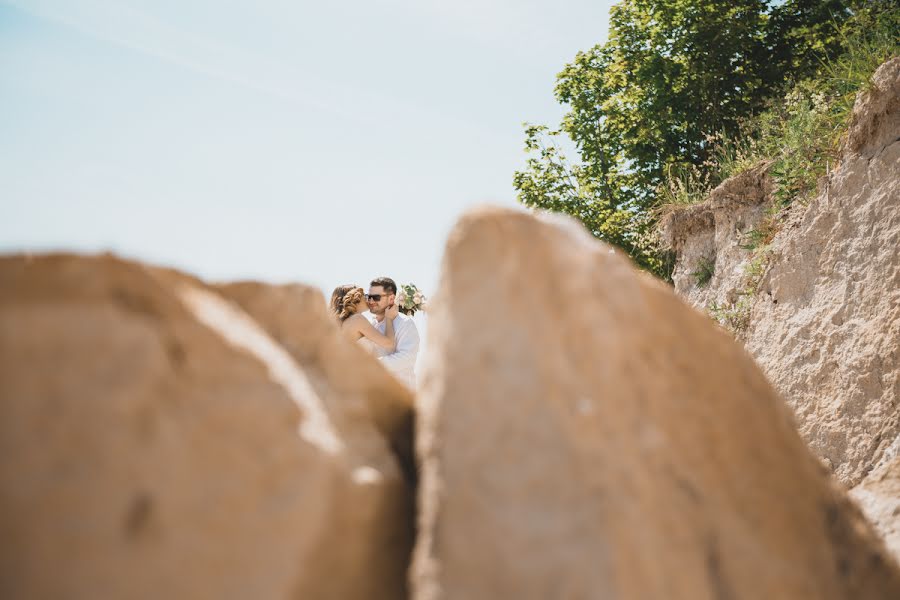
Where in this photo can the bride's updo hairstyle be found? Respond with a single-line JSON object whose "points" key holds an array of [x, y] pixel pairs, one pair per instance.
{"points": [[344, 300]]}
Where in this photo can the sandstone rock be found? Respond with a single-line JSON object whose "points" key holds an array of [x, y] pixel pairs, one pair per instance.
{"points": [[584, 434], [827, 329], [156, 442], [879, 497]]}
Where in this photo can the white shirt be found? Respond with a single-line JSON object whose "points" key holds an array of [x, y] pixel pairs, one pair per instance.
{"points": [[402, 361]]}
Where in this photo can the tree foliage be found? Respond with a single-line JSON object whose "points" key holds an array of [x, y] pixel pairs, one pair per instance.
{"points": [[645, 104]]}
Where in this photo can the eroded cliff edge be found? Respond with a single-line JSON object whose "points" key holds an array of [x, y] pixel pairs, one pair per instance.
{"points": [[817, 304]]}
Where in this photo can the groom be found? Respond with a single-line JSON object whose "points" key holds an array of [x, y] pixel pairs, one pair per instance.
{"points": [[402, 361]]}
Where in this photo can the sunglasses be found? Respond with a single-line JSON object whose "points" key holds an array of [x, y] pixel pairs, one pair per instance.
{"points": [[375, 297]]}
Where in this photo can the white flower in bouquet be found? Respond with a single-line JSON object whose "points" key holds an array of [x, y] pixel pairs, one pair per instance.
{"points": [[409, 299]]}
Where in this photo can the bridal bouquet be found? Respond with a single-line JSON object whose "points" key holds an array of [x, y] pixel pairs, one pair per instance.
{"points": [[410, 299]]}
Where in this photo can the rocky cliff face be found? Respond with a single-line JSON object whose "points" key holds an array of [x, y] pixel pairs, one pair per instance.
{"points": [[819, 308]]}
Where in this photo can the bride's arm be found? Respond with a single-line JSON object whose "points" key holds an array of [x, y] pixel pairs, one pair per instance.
{"points": [[385, 340]]}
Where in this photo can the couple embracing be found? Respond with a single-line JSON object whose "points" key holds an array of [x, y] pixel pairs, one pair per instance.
{"points": [[391, 336]]}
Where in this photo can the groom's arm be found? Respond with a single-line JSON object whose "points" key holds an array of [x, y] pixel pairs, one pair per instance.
{"points": [[404, 356]]}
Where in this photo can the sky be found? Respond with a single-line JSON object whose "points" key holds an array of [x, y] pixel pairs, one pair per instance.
{"points": [[278, 140]]}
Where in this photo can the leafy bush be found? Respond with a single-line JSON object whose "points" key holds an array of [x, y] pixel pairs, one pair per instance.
{"points": [[683, 96]]}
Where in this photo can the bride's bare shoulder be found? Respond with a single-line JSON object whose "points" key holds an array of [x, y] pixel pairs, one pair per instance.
{"points": [[351, 327], [354, 321]]}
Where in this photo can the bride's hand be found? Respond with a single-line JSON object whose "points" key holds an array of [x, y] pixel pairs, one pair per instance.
{"points": [[391, 312]]}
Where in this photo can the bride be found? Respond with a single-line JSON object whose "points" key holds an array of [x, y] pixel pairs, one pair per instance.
{"points": [[348, 303]]}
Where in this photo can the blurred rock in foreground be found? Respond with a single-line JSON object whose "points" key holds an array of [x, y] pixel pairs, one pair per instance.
{"points": [[158, 443], [585, 434]]}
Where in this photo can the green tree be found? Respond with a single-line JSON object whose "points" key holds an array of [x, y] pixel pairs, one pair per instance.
{"points": [[801, 34], [645, 103]]}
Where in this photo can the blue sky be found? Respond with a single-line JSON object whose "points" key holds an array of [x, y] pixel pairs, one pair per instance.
{"points": [[278, 140]]}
